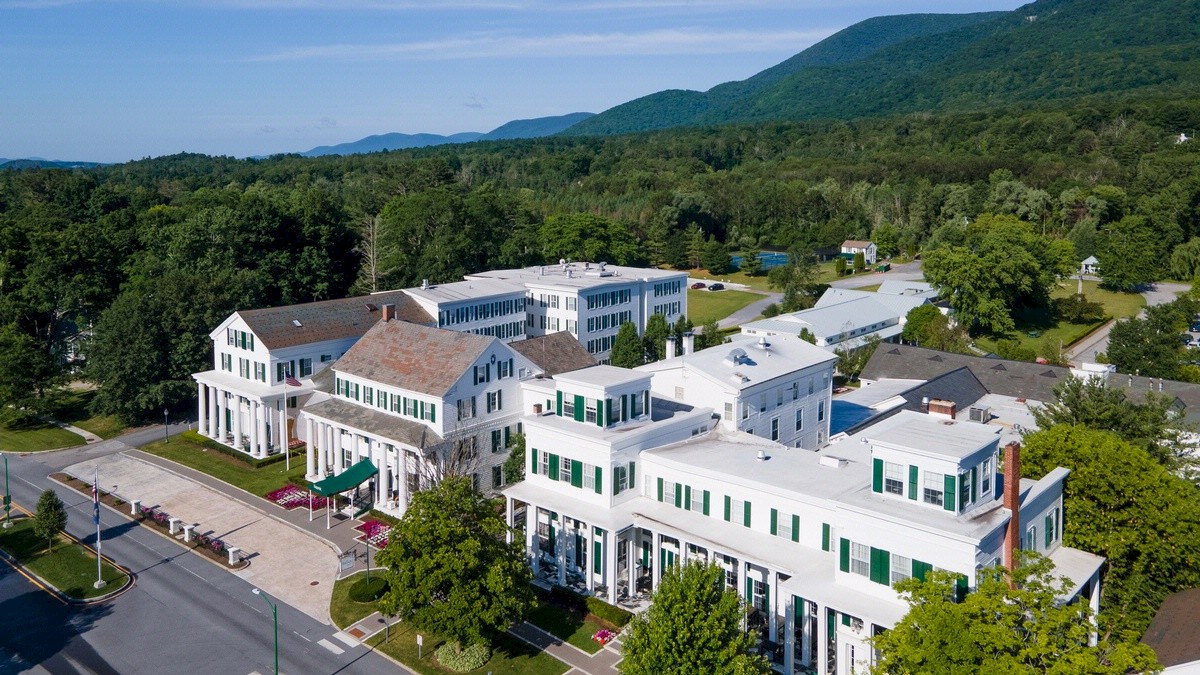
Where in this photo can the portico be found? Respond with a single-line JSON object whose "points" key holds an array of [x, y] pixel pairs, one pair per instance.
{"points": [[247, 417]]}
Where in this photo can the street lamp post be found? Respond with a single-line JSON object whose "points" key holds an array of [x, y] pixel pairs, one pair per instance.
{"points": [[275, 618], [166, 429]]}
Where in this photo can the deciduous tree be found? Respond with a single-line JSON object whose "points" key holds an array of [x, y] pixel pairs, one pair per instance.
{"points": [[51, 517], [628, 350]]}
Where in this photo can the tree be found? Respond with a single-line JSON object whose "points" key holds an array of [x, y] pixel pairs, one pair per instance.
{"points": [[797, 280], [715, 257], [514, 464], [1130, 253], [710, 334], [839, 266], [1127, 507], [852, 360], [51, 517], [693, 626], [860, 262], [751, 262], [1185, 260], [628, 350], [682, 326], [1000, 628], [29, 369], [1148, 346], [917, 323], [449, 568], [655, 339]]}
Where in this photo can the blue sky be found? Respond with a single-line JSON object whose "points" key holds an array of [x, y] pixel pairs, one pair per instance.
{"points": [[113, 80]]}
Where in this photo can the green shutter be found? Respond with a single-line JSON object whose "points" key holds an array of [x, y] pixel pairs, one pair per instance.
{"points": [[913, 477], [706, 496], [553, 467], [1049, 530], [844, 552], [749, 590], [422, 413], [597, 557], [847, 619], [678, 495], [774, 521], [600, 419], [433, 412], [921, 569], [727, 506], [558, 409], [624, 407], [660, 490], [948, 499], [687, 497], [599, 480], [576, 474], [795, 527], [974, 484], [632, 476], [825, 536], [746, 520], [579, 410], [881, 562], [877, 476], [960, 588], [533, 461]]}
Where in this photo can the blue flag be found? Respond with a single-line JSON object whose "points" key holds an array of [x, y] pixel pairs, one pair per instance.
{"points": [[96, 501]]}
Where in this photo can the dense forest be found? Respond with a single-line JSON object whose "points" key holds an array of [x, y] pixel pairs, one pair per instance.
{"points": [[145, 258]]}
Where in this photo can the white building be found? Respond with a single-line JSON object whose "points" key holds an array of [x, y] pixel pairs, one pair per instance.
{"points": [[480, 306], [779, 389], [867, 248], [812, 540], [244, 401], [419, 402]]}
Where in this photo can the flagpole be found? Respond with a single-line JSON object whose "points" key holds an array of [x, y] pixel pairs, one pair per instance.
{"points": [[96, 519]]}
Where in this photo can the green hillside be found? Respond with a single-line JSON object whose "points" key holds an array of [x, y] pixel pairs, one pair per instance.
{"points": [[1050, 50], [677, 107]]}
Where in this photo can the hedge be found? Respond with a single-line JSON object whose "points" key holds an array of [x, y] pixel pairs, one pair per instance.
{"points": [[203, 441], [592, 605], [460, 661]]}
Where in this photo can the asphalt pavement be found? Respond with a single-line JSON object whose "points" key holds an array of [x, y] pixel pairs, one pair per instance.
{"points": [[183, 615]]}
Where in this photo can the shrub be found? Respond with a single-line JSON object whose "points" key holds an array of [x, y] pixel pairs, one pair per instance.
{"points": [[461, 660], [199, 439], [771, 310], [1013, 350], [368, 591], [1077, 309], [602, 610]]}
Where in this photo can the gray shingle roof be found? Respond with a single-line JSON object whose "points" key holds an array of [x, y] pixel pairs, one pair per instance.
{"points": [[555, 353], [275, 327], [418, 358], [354, 416]]}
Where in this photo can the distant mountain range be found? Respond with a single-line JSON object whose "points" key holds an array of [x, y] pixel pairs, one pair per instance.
{"points": [[39, 163], [1048, 50], [532, 128]]}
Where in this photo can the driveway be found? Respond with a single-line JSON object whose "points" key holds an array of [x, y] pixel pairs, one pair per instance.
{"points": [[1097, 343], [910, 271], [288, 564]]}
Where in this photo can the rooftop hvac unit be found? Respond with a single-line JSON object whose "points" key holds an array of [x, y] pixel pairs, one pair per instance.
{"points": [[981, 415]]}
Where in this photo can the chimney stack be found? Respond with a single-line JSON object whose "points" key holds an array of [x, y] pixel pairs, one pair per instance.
{"points": [[389, 313], [689, 342], [939, 408], [670, 348], [1012, 502]]}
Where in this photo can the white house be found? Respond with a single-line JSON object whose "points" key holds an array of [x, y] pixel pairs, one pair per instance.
{"points": [[779, 389], [419, 402], [622, 484], [867, 248], [846, 318], [245, 401]]}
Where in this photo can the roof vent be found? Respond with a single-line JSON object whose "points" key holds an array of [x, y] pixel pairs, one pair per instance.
{"points": [[832, 462], [424, 284], [371, 307], [297, 324], [736, 356], [763, 344], [761, 456]]}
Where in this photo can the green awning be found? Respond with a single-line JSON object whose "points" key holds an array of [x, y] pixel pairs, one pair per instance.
{"points": [[347, 480]]}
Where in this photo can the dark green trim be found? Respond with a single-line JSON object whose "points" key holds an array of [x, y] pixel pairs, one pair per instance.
{"points": [[844, 554], [951, 493], [660, 489], [533, 465], [599, 480], [914, 476], [774, 521], [706, 499], [576, 473], [558, 409], [687, 498], [727, 507], [877, 476], [554, 475], [795, 527], [825, 533], [746, 520]]}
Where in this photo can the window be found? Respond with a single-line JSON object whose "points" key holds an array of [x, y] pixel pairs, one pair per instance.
{"points": [[893, 478], [901, 568], [964, 490], [589, 411], [620, 479], [572, 301], [495, 400], [783, 527], [860, 559], [636, 405], [504, 369], [230, 337], [326, 358], [810, 386], [544, 463], [475, 482], [799, 419], [466, 408], [745, 410], [779, 396], [775, 428], [564, 470], [728, 412], [227, 362], [820, 411], [934, 484], [985, 479], [589, 477], [468, 448], [497, 476], [1031, 538], [795, 390], [497, 441], [306, 367], [368, 396], [762, 403], [697, 501], [483, 374], [668, 492], [568, 405]]}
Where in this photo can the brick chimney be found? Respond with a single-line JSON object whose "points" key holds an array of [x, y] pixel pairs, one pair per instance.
{"points": [[942, 408], [1012, 502], [389, 313]]}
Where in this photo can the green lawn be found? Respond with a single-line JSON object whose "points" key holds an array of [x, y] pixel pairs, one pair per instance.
{"points": [[758, 283], [35, 436], [69, 567], [510, 656], [1116, 306], [573, 627], [705, 305], [344, 611], [226, 468], [71, 406]]}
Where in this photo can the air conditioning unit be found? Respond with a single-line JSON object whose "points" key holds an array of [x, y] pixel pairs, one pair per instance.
{"points": [[981, 415]]}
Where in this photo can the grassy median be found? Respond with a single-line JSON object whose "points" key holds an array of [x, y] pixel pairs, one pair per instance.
{"points": [[69, 567]]}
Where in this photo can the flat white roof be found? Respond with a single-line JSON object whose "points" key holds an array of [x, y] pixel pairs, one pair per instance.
{"points": [[602, 376], [927, 434], [472, 289], [578, 275], [784, 354]]}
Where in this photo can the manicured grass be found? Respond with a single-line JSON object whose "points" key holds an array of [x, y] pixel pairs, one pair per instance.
{"points": [[510, 656], [71, 406], [344, 611], [69, 567], [223, 467], [1116, 306], [872, 288], [758, 283], [706, 305], [565, 624], [35, 436]]}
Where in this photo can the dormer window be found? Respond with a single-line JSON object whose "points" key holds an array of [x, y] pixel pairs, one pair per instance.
{"points": [[589, 414], [568, 406], [893, 478], [985, 480], [933, 492]]}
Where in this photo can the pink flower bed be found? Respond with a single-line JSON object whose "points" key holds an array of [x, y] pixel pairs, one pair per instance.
{"points": [[604, 636], [291, 497], [374, 533]]}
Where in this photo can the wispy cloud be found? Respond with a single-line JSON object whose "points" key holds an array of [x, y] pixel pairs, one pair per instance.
{"points": [[648, 43]]}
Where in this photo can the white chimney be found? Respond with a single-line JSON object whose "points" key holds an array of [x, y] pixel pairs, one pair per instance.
{"points": [[689, 342], [762, 456], [670, 348]]}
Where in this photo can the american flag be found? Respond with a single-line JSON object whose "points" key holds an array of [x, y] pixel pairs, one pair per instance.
{"points": [[291, 381], [96, 501]]}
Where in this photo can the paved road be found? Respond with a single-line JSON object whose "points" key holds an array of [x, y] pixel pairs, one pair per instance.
{"points": [[184, 615], [910, 271], [1097, 343]]}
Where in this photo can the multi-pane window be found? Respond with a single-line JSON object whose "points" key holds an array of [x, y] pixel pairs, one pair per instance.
{"points": [[497, 441], [985, 478], [668, 492], [466, 408], [368, 396], [860, 559], [544, 461], [305, 367], [589, 477], [964, 489], [934, 485], [495, 400], [779, 396], [783, 527], [564, 470], [620, 479], [589, 414], [728, 412], [497, 476], [820, 410], [799, 419], [568, 406], [697, 501], [775, 429], [893, 478], [901, 568], [1031, 538], [795, 390]]}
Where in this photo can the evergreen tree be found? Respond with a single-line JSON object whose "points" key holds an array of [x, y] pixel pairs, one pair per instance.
{"points": [[682, 325], [839, 266], [693, 626], [860, 262], [751, 262], [51, 517], [655, 339], [628, 350], [716, 257]]}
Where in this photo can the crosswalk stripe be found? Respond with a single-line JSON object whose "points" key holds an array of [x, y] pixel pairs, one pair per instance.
{"points": [[346, 639], [331, 647]]}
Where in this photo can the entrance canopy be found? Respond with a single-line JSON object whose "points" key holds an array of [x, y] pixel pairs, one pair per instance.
{"points": [[347, 480]]}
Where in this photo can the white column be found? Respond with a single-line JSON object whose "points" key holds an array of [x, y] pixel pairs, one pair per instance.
{"points": [[610, 565], [822, 655], [236, 400], [322, 449], [260, 420], [589, 548], [631, 567], [560, 552], [508, 519], [773, 620], [281, 434], [402, 470], [386, 452], [531, 540], [222, 407], [806, 655], [1094, 605], [310, 450], [789, 635], [202, 412], [214, 413], [656, 561], [741, 581]]}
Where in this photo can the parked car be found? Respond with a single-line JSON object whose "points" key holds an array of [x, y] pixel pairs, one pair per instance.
{"points": [[1186, 339], [716, 287], [1195, 327], [698, 285]]}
